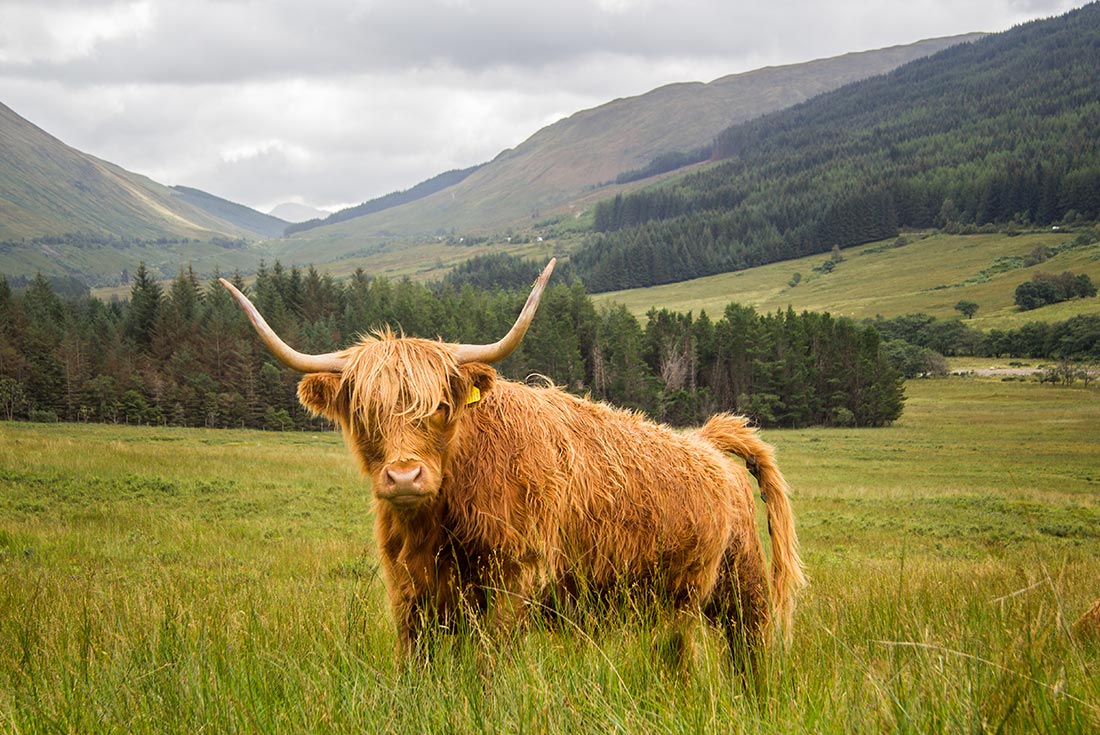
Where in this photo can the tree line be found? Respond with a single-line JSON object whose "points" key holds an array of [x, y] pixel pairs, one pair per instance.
{"points": [[999, 131], [1076, 339], [184, 354], [1049, 288]]}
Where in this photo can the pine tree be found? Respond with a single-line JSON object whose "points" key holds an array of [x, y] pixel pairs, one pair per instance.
{"points": [[45, 330], [621, 374], [145, 302]]}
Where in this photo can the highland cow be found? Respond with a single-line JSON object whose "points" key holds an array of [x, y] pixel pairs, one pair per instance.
{"points": [[492, 496]]}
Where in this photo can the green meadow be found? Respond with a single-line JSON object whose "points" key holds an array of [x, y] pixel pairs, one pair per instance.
{"points": [[164, 580], [928, 274]]}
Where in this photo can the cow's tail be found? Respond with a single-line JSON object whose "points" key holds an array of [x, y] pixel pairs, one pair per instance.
{"points": [[733, 434]]}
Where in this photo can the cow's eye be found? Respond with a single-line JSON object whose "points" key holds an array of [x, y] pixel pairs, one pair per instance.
{"points": [[441, 415], [370, 447]]}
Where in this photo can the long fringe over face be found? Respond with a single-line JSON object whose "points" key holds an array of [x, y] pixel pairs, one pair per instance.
{"points": [[398, 380]]}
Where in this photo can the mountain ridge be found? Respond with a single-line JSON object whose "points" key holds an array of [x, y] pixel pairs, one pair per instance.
{"points": [[267, 225], [48, 188], [589, 148], [1001, 132]]}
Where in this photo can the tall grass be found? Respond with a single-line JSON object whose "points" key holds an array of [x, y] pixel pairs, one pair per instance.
{"points": [[171, 580]]}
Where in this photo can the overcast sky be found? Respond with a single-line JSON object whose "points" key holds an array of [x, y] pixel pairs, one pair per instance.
{"points": [[334, 102]]}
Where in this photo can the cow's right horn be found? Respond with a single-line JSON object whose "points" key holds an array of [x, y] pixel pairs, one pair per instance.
{"points": [[332, 362], [506, 346]]}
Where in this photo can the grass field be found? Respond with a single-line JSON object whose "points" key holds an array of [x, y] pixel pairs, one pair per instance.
{"points": [[930, 275], [159, 580]]}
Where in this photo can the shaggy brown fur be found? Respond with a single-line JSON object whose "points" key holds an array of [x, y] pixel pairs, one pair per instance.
{"points": [[527, 493], [1088, 625]]}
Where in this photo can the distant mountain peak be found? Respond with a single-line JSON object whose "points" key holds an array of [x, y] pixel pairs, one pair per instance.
{"points": [[297, 212]]}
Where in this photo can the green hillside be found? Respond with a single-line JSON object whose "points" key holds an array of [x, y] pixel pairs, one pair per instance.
{"points": [[244, 217], [1002, 130], [930, 274], [48, 189], [393, 199], [555, 171], [63, 212], [100, 265]]}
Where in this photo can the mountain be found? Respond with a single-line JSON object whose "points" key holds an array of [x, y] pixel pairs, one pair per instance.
{"points": [[1004, 131], [393, 199], [591, 148], [262, 224], [48, 188], [293, 212]]}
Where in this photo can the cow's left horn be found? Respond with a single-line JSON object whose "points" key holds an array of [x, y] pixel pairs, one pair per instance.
{"points": [[332, 362], [500, 350]]}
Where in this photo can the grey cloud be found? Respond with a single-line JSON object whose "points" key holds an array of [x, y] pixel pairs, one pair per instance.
{"points": [[1048, 7], [208, 42], [341, 100]]}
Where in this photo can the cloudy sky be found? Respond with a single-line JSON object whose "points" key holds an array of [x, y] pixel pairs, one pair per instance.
{"points": [[333, 102]]}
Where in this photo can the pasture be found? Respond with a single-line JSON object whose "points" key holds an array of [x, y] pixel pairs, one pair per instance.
{"points": [[929, 274], [160, 580]]}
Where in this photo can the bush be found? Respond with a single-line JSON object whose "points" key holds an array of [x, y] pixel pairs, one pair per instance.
{"points": [[1047, 288], [843, 417], [43, 417], [277, 419]]}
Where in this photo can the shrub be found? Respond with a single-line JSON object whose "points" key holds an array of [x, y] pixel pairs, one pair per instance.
{"points": [[43, 417], [277, 419], [1048, 288]]}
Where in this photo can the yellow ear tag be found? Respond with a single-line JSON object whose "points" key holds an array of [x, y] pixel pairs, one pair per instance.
{"points": [[475, 395]]}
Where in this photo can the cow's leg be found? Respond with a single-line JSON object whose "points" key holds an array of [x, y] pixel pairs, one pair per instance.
{"points": [[511, 587], [739, 605], [677, 649], [688, 588], [426, 596], [408, 616]]}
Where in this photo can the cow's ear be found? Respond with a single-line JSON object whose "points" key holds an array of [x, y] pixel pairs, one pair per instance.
{"points": [[476, 378], [321, 393]]}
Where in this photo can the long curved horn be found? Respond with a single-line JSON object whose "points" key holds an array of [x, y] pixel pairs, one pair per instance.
{"points": [[500, 350], [331, 362]]}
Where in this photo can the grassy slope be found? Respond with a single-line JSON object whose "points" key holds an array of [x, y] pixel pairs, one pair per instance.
{"points": [[100, 267], [890, 282], [172, 580], [556, 168], [49, 188], [426, 260], [550, 175], [253, 222]]}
